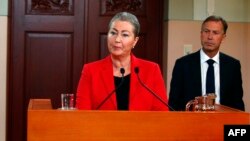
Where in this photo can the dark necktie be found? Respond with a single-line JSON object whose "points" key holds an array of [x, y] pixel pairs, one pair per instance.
{"points": [[210, 85]]}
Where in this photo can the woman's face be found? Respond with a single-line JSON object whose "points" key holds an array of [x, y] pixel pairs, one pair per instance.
{"points": [[121, 38]]}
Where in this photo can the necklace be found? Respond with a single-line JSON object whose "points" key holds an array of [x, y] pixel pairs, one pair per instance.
{"points": [[117, 68]]}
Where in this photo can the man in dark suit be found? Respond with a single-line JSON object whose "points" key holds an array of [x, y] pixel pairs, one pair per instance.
{"points": [[189, 73]]}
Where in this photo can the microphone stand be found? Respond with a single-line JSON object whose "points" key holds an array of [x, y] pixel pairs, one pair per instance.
{"points": [[151, 91], [122, 71]]}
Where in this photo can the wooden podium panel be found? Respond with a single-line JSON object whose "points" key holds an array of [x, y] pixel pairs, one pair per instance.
{"points": [[45, 124]]}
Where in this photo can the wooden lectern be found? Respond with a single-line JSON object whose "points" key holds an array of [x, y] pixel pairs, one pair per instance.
{"points": [[46, 124]]}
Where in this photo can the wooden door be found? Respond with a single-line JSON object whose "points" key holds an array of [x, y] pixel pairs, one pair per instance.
{"points": [[50, 41]]}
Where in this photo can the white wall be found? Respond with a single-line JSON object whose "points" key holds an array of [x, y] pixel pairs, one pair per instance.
{"points": [[232, 10], [3, 68], [185, 6], [248, 10]]}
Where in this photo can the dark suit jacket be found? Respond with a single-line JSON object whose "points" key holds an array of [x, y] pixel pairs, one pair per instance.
{"points": [[97, 82], [186, 81]]}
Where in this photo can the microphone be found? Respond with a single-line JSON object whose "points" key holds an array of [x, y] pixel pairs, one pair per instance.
{"points": [[122, 71], [151, 91]]}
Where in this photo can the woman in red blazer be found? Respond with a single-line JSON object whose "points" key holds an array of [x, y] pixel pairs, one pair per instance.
{"points": [[112, 83]]}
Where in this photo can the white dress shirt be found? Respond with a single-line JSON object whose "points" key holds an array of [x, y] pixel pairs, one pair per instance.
{"points": [[204, 67]]}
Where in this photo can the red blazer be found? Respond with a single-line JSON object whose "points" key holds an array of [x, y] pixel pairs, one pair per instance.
{"points": [[97, 82]]}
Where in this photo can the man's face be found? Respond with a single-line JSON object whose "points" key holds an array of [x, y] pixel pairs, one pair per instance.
{"points": [[212, 34]]}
